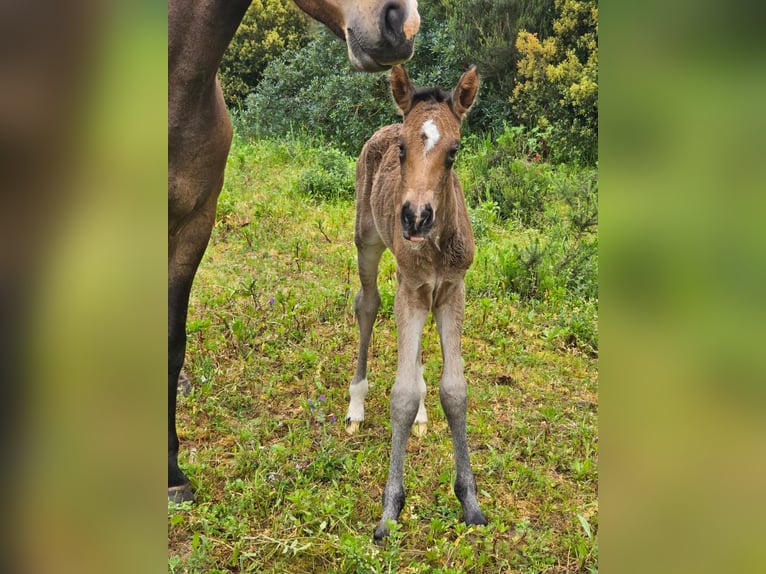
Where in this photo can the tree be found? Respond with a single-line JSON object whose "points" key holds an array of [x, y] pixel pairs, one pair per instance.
{"points": [[268, 29], [557, 88]]}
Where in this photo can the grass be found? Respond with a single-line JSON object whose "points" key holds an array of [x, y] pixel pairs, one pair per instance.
{"points": [[272, 342]]}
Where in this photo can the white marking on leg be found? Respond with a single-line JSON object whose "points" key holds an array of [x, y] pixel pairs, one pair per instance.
{"points": [[431, 132], [355, 414], [421, 419]]}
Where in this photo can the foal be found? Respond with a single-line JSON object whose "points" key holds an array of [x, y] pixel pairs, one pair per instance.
{"points": [[409, 200]]}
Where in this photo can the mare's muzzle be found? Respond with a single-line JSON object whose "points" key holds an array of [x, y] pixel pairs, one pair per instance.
{"points": [[416, 222]]}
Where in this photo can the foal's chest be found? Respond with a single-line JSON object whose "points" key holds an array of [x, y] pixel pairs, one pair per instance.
{"points": [[432, 285]]}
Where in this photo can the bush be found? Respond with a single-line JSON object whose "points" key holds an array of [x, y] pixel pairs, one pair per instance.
{"points": [[557, 89], [330, 178], [313, 91], [509, 174], [554, 267], [268, 29]]}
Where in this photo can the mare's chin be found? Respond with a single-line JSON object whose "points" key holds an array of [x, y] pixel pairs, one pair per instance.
{"points": [[361, 59]]}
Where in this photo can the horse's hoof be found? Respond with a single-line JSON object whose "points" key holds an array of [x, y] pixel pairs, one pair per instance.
{"points": [[475, 518], [352, 426], [181, 493], [419, 429], [380, 534]]}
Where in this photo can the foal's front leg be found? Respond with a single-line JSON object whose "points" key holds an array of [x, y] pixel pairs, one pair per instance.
{"points": [[406, 397], [453, 396]]}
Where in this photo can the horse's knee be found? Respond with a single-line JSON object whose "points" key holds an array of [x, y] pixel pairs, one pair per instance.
{"points": [[453, 393], [366, 302], [405, 401]]}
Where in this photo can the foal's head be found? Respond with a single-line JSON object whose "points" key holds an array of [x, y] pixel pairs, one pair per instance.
{"points": [[428, 144]]}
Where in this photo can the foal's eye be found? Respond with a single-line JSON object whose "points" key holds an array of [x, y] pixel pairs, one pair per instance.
{"points": [[452, 154], [401, 151]]}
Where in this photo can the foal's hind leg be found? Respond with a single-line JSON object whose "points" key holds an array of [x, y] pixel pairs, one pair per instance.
{"points": [[421, 419], [453, 396], [366, 304]]}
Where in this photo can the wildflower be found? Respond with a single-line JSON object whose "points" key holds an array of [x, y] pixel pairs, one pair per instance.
{"points": [[333, 418], [321, 398], [271, 301]]}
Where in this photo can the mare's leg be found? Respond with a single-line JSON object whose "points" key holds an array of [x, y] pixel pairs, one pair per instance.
{"points": [[186, 248], [452, 393], [406, 396], [366, 304]]}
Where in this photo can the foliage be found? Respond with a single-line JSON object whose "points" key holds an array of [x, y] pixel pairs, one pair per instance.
{"points": [[268, 29], [483, 32], [330, 177], [553, 256], [538, 61], [312, 90], [558, 88], [279, 485]]}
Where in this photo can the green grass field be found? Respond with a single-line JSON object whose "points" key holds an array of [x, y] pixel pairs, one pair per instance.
{"points": [[272, 344]]}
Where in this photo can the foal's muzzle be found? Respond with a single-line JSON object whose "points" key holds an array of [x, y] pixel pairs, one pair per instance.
{"points": [[416, 222]]}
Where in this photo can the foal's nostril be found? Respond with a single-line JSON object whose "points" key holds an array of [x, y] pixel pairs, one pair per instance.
{"points": [[392, 21], [427, 216], [408, 216]]}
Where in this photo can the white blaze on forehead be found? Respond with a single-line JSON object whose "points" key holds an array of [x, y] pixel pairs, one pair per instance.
{"points": [[431, 132]]}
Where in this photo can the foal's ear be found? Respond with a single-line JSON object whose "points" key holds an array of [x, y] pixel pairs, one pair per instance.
{"points": [[464, 93], [401, 88]]}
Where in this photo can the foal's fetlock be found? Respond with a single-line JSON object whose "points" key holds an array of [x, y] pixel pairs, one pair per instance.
{"points": [[420, 425], [355, 413]]}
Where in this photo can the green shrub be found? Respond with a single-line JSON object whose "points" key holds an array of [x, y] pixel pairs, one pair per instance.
{"points": [[313, 91], [509, 175], [268, 29], [330, 178], [557, 87]]}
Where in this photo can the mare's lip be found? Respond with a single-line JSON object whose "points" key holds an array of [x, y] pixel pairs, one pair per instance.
{"points": [[362, 60]]}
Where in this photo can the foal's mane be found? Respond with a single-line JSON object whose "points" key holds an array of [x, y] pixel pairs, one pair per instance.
{"points": [[436, 94], [432, 95]]}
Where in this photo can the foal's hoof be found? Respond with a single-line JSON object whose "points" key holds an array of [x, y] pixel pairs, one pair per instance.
{"points": [[381, 533], [181, 493], [476, 518], [352, 426], [419, 429]]}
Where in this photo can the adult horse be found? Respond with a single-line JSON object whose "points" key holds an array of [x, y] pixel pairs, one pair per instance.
{"points": [[378, 33]]}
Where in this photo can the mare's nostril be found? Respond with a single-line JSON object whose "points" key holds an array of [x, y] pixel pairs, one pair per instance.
{"points": [[392, 21]]}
